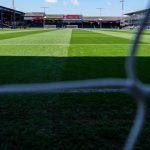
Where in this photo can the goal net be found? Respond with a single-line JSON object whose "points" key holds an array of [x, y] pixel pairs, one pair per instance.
{"points": [[50, 26], [71, 26]]}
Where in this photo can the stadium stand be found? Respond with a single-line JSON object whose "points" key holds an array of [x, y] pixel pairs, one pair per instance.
{"points": [[10, 18], [136, 17], [54, 19], [107, 22], [36, 19]]}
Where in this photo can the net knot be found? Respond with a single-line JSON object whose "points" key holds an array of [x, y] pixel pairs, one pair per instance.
{"points": [[136, 90]]}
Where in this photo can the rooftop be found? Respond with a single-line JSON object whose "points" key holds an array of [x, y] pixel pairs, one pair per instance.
{"points": [[34, 14], [10, 10], [136, 12]]}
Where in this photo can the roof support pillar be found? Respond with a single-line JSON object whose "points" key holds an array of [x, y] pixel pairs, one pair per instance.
{"points": [[2, 18], [14, 19]]}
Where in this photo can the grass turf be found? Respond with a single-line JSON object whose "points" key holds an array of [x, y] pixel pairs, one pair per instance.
{"points": [[67, 121], [19, 34]]}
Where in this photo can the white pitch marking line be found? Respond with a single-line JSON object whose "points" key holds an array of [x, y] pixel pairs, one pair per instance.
{"points": [[62, 44]]}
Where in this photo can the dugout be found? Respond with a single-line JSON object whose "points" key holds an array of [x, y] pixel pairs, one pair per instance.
{"points": [[10, 18]]}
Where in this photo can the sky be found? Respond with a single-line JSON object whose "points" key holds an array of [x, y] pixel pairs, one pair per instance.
{"points": [[84, 7]]}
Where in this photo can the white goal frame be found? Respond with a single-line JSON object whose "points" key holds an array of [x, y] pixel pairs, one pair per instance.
{"points": [[50, 26], [72, 26]]}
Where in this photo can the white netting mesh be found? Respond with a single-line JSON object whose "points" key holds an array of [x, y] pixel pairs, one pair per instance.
{"points": [[131, 85]]}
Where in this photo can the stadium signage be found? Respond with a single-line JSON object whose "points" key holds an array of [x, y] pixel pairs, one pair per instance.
{"points": [[72, 17], [53, 19], [34, 18], [28, 18], [38, 18]]}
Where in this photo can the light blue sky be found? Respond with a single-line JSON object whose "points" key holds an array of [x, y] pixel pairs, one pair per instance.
{"points": [[85, 7]]}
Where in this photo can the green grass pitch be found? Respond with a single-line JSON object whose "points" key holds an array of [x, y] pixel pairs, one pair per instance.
{"points": [[68, 121]]}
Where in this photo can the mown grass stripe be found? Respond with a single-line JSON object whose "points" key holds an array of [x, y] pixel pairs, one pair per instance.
{"points": [[146, 32], [21, 34], [89, 37], [22, 30], [129, 36], [109, 48], [42, 44]]}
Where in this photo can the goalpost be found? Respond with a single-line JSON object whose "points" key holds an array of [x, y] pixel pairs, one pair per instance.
{"points": [[50, 26], [72, 26]]}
